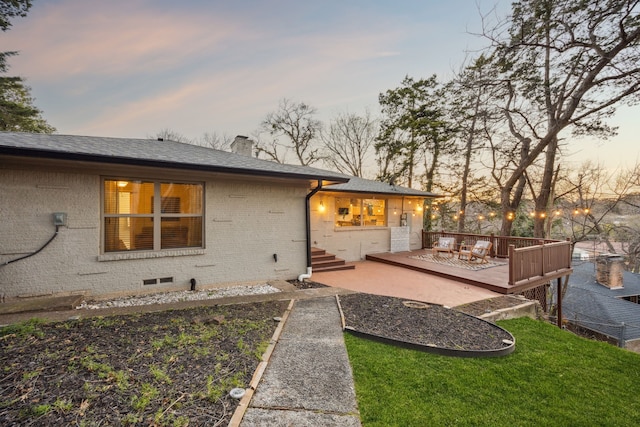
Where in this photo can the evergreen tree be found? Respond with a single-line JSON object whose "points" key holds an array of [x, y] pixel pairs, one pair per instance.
{"points": [[17, 112]]}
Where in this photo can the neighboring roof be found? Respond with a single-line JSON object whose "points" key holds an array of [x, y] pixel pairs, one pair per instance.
{"points": [[154, 153], [599, 308], [360, 185]]}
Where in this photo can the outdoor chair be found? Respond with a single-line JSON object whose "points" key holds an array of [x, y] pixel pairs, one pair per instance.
{"points": [[478, 251], [444, 244]]}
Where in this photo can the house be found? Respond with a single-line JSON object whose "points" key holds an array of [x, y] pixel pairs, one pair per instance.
{"points": [[115, 216], [605, 301]]}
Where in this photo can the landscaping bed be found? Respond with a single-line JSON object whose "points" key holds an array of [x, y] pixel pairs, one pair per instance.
{"points": [[164, 368], [429, 327]]}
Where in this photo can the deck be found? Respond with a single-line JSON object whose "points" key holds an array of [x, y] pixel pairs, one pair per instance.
{"points": [[495, 278]]}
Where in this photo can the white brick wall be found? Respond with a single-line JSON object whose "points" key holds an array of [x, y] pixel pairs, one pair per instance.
{"points": [[245, 224], [354, 243]]}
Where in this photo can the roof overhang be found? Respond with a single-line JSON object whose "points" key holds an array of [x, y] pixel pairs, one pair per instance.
{"points": [[312, 177]]}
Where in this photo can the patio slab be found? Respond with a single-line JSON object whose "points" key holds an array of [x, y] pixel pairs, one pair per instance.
{"points": [[383, 279]]}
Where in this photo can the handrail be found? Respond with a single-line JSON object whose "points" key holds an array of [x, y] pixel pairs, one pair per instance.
{"points": [[531, 260], [500, 244], [538, 262]]}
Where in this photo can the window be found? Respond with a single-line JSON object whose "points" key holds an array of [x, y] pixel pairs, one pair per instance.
{"points": [[360, 212], [150, 215]]}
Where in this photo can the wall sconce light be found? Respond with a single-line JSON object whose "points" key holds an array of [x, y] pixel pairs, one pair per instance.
{"points": [[122, 184], [321, 208]]}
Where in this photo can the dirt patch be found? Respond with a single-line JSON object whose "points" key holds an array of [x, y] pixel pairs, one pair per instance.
{"points": [[166, 368], [307, 284]]}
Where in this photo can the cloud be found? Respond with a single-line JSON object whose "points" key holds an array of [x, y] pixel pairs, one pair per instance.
{"points": [[75, 38], [126, 68]]}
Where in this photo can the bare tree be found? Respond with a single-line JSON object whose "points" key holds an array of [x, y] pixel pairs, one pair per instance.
{"points": [[563, 65], [590, 205], [349, 142], [215, 140], [295, 123]]}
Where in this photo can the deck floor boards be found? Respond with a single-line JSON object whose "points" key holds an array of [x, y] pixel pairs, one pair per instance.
{"points": [[493, 278]]}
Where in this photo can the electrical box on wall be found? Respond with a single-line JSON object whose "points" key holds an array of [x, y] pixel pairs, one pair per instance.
{"points": [[59, 218]]}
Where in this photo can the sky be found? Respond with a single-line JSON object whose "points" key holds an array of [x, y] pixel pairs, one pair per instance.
{"points": [[132, 68]]}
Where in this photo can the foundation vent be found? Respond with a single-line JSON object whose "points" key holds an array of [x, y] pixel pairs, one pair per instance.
{"points": [[156, 281]]}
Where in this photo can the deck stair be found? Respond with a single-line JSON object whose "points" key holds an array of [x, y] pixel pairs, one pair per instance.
{"points": [[323, 261]]}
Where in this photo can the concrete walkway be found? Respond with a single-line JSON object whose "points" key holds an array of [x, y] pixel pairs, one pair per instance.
{"points": [[308, 379]]}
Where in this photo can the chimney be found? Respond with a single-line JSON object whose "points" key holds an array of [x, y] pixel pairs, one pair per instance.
{"points": [[609, 270], [242, 145]]}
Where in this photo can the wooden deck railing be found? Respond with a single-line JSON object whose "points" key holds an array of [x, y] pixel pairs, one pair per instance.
{"points": [[531, 261], [539, 263], [500, 244]]}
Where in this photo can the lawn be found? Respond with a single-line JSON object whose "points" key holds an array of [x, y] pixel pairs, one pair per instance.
{"points": [[553, 378]]}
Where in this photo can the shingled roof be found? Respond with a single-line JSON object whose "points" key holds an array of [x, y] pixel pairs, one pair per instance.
{"points": [[178, 155], [599, 308], [154, 153], [367, 186]]}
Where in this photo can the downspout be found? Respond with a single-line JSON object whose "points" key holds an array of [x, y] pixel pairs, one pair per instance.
{"points": [[307, 275]]}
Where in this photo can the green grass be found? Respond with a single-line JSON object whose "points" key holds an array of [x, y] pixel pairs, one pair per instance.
{"points": [[553, 378]]}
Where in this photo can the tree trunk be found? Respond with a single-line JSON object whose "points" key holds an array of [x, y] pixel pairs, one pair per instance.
{"points": [[467, 166], [542, 201]]}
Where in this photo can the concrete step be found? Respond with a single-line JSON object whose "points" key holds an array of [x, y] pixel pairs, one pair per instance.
{"points": [[324, 257], [327, 263]]}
